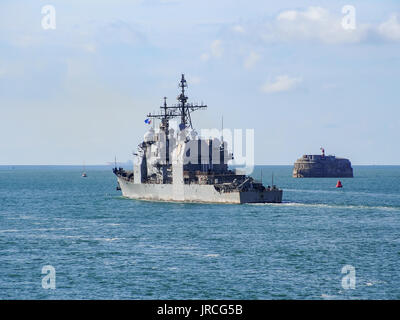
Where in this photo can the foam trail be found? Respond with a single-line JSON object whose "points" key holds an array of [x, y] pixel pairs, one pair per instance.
{"points": [[324, 205]]}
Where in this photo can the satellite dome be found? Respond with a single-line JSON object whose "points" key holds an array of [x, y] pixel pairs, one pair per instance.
{"points": [[149, 135]]}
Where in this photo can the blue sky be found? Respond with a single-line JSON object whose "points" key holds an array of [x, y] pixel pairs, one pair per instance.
{"points": [[287, 69]]}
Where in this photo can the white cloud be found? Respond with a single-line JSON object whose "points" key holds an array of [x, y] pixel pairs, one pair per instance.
{"points": [[317, 24], [313, 24], [390, 29], [311, 14], [205, 57], [251, 60], [89, 47], [287, 15], [216, 49], [282, 83], [88, 36], [329, 86], [238, 28]]}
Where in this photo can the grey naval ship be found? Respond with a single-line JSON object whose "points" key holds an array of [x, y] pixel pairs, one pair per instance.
{"points": [[322, 166], [179, 165]]}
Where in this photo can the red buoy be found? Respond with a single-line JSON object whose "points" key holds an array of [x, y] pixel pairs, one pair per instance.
{"points": [[339, 184]]}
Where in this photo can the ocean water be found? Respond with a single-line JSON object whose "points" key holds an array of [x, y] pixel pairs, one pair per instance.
{"points": [[103, 246]]}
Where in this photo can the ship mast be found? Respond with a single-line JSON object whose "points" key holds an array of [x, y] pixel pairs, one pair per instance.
{"points": [[186, 108], [183, 99], [181, 110]]}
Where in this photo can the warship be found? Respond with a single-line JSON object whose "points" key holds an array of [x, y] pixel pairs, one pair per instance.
{"points": [[322, 166], [179, 165]]}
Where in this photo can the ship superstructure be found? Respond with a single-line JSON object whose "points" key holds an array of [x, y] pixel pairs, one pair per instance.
{"points": [[179, 165]]}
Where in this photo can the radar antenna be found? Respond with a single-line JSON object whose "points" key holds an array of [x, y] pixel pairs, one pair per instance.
{"points": [[183, 109]]}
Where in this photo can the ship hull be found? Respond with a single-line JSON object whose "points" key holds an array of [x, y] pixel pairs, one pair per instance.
{"points": [[195, 193]]}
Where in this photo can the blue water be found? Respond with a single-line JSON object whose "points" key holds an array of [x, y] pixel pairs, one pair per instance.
{"points": [[105, 247]]}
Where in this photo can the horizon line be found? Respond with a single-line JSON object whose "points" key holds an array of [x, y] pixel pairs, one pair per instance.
{"points": [[120, 163]]}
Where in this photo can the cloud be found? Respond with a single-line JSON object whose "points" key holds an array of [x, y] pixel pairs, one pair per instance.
{"points": [[313, 24], [89, 47], [119, 31], [216, 51], [317, 24], [238, 28], [205, 57], [312, 13], [251, 60], [85, 35], [390, 29], [282, 83]]}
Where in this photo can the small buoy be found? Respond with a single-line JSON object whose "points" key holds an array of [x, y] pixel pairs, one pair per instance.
{"points": [[339, 184]]}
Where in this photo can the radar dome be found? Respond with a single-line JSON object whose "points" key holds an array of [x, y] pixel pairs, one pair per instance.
{"points": [[149, 135]]}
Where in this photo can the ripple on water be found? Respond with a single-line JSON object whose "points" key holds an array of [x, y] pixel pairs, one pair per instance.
{"points": [[110, 247]]}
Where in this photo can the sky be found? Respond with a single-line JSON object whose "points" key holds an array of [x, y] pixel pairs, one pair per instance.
{"points": [[293, 71]]}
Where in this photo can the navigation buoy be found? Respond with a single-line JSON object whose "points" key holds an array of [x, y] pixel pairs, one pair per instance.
{"points": [[339, 184]]}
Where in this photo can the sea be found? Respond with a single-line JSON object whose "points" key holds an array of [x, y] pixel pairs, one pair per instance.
{"points": [[67, 237]]}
